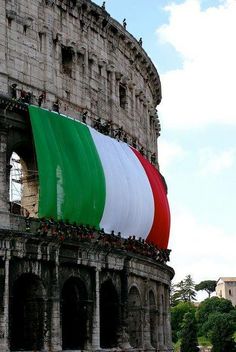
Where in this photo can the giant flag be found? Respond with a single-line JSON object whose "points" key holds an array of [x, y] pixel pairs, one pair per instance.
{"points": [[93, 179]]}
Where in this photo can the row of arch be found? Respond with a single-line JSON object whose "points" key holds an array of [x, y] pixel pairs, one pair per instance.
{"points": [[28, 310]]}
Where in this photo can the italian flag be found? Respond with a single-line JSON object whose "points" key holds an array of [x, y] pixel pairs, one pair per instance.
{"points": [[93, 179]]}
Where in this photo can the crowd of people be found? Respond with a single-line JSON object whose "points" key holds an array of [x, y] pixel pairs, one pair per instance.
{"points": [[63, 231], [107, 128]]}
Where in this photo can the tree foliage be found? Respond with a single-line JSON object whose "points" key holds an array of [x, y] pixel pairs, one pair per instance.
{"points": [[217, 321], [184, 291], [215, 317], [209, 306], [207, 285], [220, 329], [190, 293], [177, 315], [188, 334]]}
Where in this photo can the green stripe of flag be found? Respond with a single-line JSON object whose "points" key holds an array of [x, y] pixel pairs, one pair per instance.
{"points": [[71, 178]]}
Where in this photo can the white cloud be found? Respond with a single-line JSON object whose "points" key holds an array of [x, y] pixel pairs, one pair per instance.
{"points": [[203, 90], [169, 152], [211, 162], [202, 250]]}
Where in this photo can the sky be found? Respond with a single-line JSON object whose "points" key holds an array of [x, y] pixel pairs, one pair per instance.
{"points": [[192, 44]]}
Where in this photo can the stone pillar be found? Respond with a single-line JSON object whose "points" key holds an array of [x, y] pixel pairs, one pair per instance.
{"points": [[3, 47], [4, 305], [49, 54], [160, 334], [136, 124], [85, 89], [29, 198], [168, 319], [146, 320], [56, 339], [146, 330], [114, 107], [124, 293], [96, 313], [123, 340], [4, 197]]}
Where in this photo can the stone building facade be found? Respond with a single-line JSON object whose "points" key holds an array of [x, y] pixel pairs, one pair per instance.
{"points": [[226, 288], [75, 53], [64, 295]]}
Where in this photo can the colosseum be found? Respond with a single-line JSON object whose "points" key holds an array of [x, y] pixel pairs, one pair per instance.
{"points": [[83, 262]]}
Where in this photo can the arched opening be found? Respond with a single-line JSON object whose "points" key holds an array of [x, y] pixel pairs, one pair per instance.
{"points": [[15, 184], [109, 315], [27, 314], [153, 319], [74, 314], [23, 184], [134, 317]]}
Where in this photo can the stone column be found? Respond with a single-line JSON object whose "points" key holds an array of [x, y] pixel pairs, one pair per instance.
{"points": [[4, 305], [4, 197], [56, 339], [96, 313], [124, 292], [123, 340], [114, 107], [3, 46], [136, 125], [146, 329], [146, 320], [168, 319], [160, 302], [85, 85], [50, 64]]}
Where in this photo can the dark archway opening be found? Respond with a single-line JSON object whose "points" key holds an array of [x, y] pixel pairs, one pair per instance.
{"points": [[109, 315], [27, 314], [74, 314]]}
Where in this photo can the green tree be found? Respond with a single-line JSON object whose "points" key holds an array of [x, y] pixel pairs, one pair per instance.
{"points": [[174, 297], [221, 328], [210, 306], [188, 334], [177, 293], [190, 292], [233, 317], [207, 285], [183, 291], [177, 315]]}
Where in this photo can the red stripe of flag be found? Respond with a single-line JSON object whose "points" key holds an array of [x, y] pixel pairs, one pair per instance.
{"points": [[160, 230]]}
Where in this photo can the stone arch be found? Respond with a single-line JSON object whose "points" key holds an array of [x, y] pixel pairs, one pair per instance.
{"points": [[109, 314], [27, 309], [22, 146], [153, 318], [135, 317], [74, 300]]}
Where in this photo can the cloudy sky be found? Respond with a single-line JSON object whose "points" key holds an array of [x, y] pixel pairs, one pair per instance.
{"points": [[192, 43]]}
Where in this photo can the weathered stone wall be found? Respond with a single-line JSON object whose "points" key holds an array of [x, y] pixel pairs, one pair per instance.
{"points": [[42, 267], [226, 288], [77, 54], [37, 274], [74, 53]]}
